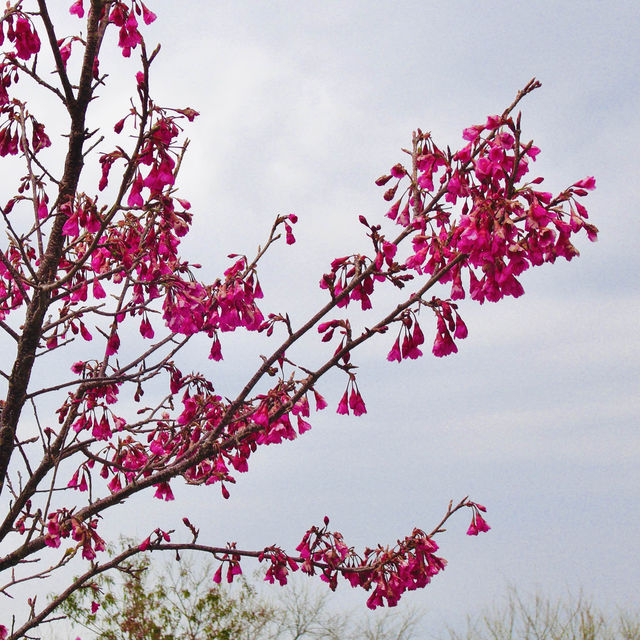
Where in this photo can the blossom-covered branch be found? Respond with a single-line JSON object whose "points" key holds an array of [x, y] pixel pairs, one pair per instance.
{"points": [[101, 273]]}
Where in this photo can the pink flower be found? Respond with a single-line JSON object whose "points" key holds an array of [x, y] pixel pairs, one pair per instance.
{"points": [[233, 570], [70, 227], [398, 171], [135, 198], [77, 367], [586, 183], [394, 354], [113, 344], [290, 237], [129, 36], [98, 291], [147, 15], [146, 330], [77, 9], [343, 406], [455, 188], [444, 344], [84, 332], [321, 403], [39, 139], [478, 524], [356, 403], [532, 152], [163, 491], [101, 430], [471, 133], [42, 210], [114, 484], [27, 42], [461, 328], [303, 425], [216, 349], [392, 214]]}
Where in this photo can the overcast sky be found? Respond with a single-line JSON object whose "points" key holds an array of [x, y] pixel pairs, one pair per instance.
{"points": [[303, 105]]}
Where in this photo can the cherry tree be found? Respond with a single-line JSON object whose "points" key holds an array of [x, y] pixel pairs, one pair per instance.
{"points": [[84, 272]]}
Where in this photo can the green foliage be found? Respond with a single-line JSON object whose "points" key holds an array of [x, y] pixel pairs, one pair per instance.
{"points": [[181, 604]]}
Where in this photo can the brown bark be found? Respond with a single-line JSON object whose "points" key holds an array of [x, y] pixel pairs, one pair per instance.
{"points": [[46, 275]]}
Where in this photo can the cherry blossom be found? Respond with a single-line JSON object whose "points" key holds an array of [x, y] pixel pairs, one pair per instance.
{"points": [[99, 280]]}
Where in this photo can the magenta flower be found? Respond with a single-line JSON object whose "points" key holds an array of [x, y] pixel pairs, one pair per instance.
{"points": [[70, 227], [303, 425], [39, 139], [77, 9], [147, 15], [146, 330], [135, 199], [478, 524], [471, 133], [27, 42], [216, 350], [461, 328], [101, 429], [84, 332], [289, 233], [163, 491], [394, 354], [113, 344], [321, 403], [586, 183], [343, 406], [98, 291], [356, 403]]}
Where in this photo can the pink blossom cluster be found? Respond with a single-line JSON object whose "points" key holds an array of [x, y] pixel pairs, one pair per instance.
{"points": [[21, 33], [62, 524], [280, 564], [504, 226], [342, 271], [123, 15], [448, 322], [12, 140], [410, 337], [268, 419], [12, 294], [158, 536], [478, 523], [148, 243], [387, 572], [352, 399]]}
